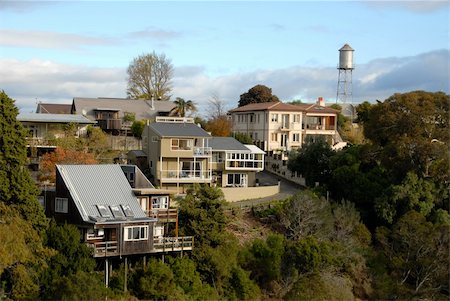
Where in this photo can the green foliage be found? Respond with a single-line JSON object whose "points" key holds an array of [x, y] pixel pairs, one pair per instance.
{"points": [[264, 259], [257, 94], [309, 255], [241, 285], [182, 107], [312, 161], [80, 286], [243, 138], [417, 253], [137, 128], [16, 186], [129, 117], [412, 131], [155, 282], [362, 111]]}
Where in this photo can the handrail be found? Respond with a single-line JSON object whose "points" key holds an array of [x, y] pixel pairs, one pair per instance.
{"points": [[162, 244]]}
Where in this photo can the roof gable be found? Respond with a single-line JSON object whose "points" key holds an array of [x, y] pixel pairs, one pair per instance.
{"points": [[94, 186], [178, 129]]}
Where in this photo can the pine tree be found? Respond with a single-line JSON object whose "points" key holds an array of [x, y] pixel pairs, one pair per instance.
{"points": [[17, 189]]}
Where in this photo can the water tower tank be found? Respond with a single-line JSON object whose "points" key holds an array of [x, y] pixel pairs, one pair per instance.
{"points": [[346, 57]]}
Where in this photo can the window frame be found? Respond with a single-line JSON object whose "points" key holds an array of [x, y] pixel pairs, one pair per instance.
{"points": [[61, 205], [142, 233]]}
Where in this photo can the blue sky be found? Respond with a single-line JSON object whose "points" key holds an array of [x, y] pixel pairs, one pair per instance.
{"points": [[54, 51]]}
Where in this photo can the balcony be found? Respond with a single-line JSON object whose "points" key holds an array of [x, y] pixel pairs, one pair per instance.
{"points": [[104, 248], [163, 215], [317, 126], [168, 244], [202, 151], [286, 126], [244, 165], [40, 142], [186, 176]]}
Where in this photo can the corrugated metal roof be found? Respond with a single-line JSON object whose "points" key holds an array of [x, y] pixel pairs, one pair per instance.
{"points": [[141, 108], [54, 118], [104, 184], [226, 144], [53, 108], [169, 129]]}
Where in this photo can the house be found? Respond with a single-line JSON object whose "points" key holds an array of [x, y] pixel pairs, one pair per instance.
{"points": [[117, 210], [181, 153], [277, 126], [44, 128], [235, 164], [110, 112], [178, 152], [53, 108]]}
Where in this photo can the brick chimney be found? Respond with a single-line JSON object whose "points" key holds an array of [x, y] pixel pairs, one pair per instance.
{"points": [[321, 101]]}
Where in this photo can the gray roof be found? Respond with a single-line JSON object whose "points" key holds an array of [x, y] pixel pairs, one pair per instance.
{"points": [[142, 108], [53, 108], [178, 129], [104, 184], [137, 153], [54, 118], [226, 144]]}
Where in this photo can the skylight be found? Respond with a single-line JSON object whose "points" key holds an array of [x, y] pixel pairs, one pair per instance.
{"points": [[116, 210], [127, 210], [104, 211]]}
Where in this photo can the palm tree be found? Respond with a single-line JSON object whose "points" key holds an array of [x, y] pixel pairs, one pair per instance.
{"points": [[182, 107]]}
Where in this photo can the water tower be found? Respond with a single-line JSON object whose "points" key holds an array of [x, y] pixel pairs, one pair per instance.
{"points": [[344, 86]]}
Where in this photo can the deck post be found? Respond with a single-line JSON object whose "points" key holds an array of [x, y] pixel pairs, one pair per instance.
{"points": [[126, 271], [106, 272]]}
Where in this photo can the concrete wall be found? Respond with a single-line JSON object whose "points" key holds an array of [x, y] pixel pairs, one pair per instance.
{"points": [[247, 193]]}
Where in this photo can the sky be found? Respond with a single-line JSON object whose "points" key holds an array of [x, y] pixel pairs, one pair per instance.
{"points": [[53, 51]]}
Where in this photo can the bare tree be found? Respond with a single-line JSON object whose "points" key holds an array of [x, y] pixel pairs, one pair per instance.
{"points": [[150, 75], [216, 107]]}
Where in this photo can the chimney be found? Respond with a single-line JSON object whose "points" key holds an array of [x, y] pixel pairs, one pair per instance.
{"points": [[321, 101]]}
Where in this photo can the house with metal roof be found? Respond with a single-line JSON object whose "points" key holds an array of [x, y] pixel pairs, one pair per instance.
{"points": [[181, 153], [118, 211], [235, 164], [110, 112], [277, 126], [53, 108]]}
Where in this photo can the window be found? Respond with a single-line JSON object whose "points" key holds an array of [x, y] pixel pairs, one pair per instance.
{"points": [[296, 137], [237, 179], [136, 233], [61, 205], [274, 117], [127, 210], [161, 202], [104, 211], [154, 138], [256, 136], [297, 118], [274, 137], [181, 144], [116, 211]]}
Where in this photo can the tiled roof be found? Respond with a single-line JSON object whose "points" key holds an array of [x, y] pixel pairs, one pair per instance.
{"points": [[104, 184], [178, 129], [54, 118]]}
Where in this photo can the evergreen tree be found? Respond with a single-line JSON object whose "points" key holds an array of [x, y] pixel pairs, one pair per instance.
{"points": [[16, 186]]}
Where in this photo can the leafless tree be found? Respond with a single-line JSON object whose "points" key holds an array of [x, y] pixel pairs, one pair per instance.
{"points": [[216, 107], [150, 75]]}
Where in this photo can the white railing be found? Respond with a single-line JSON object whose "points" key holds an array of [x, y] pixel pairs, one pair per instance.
{"points": [[175, 119], [245, 164], [164, 244], [202, 151], [185, 175]]}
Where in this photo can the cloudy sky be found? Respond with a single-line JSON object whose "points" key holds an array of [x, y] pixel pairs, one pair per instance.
{"points": [[54, 51]]}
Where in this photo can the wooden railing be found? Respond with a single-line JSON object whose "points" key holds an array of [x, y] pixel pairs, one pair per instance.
{"points": [[104, 248], [167, 244], [162, 215]]}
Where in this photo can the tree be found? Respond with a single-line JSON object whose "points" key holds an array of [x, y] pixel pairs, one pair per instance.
{"points": [[313, 162], [219, 126], [62, 156], [150, 75], [182, 107], [362, 112], [243, 138], [137, 128], [417, 253], [216, 107], [17, 189], [257, 94], [412, 132]]}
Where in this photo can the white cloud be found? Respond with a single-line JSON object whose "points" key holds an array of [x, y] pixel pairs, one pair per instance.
{"points": [[48, 39], [52, 82]]}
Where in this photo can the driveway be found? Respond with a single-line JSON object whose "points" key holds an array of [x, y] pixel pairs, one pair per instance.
{"points": [[265, 178]]}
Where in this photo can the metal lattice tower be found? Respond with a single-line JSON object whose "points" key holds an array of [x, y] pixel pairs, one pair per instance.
{"points": [[344, 92]]}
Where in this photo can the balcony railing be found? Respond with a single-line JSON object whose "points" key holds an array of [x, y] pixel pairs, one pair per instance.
{"points": [[40, 142], [185, 175], [287, 126], [243, 164], [163, 215], [110, 124], [104, 248], [166, 244], [316, 126], [202, 151]]}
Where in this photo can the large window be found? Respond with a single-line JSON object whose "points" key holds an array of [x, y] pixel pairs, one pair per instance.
{"points": [[274, 136], [237, 180], [181, 144], [61, 205], [296, 137], [274, 117], [136, 233]]}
